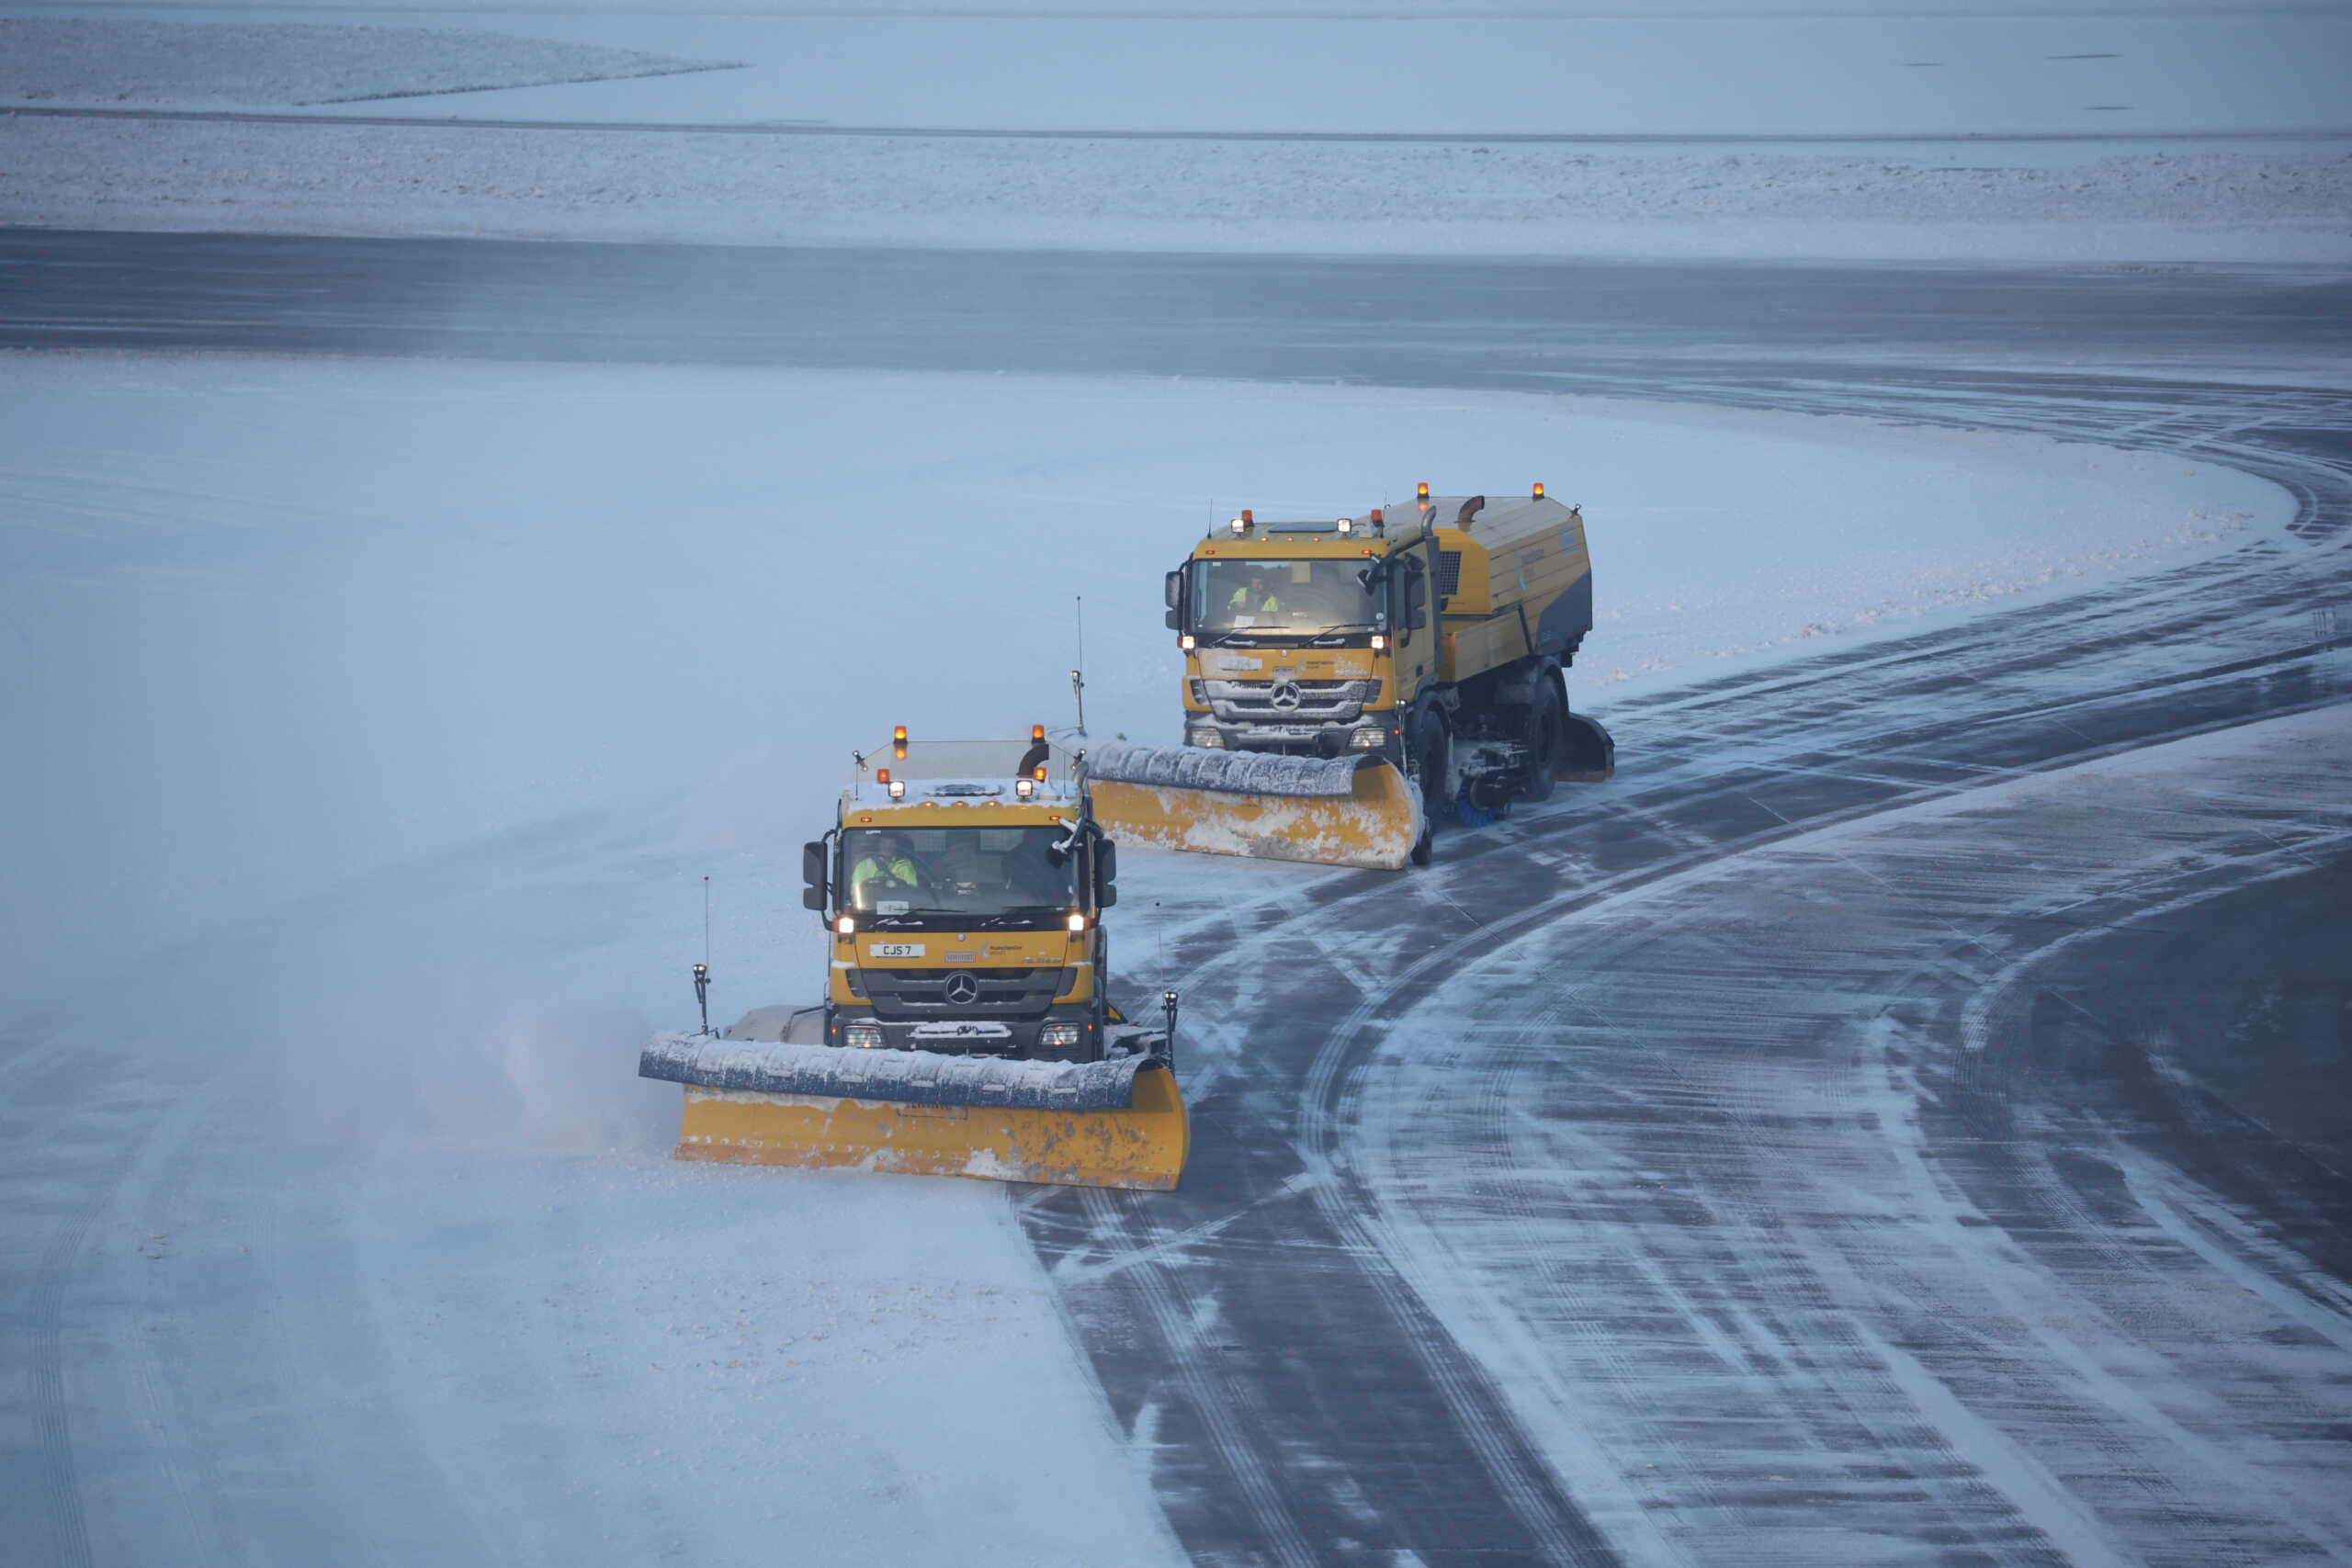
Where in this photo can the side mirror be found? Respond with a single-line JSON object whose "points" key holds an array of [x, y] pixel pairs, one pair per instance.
{"points": [[1173, 590], [1106, 874], [812, 871]]}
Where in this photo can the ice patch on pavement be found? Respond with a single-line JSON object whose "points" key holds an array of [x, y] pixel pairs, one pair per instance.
{"points": [[89, 61]]}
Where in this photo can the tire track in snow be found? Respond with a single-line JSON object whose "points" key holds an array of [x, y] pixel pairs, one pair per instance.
{"points": [[1842, 736], [1783, 1237], [2122, 1276], [1220, 1403], [81, 1134], [1970, 774]]}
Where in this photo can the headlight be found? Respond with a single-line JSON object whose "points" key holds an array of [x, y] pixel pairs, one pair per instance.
{"points": [[1367, 739], [863, 1036], [1078, 923], [1059, 1036], [1206, 738]]}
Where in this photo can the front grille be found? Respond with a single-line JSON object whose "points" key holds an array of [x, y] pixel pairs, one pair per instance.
{"points": [[1319, 702], [902, 994]]}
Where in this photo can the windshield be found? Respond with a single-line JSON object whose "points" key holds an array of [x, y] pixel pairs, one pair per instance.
{"points": [[1283, 598], [967, 876]]}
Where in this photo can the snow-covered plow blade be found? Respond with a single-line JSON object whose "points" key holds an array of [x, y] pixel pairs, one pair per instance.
{"points": [[1329, 810], [1112, 1124]]}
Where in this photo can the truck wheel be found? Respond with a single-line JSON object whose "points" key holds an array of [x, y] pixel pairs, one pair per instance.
{"points": [[1545, 734], [1436, 769], [1425, 847]]}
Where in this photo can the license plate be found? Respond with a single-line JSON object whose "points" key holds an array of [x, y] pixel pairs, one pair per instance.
{"points": [[898, 950], [961, 1032]]}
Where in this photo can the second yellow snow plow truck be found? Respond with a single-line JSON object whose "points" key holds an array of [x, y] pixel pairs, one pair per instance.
{"points": [[966, 1029], [1350, 681]]}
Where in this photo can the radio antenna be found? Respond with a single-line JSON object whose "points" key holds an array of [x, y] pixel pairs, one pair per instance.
{"points": [[1078, 676], [702, 970]]}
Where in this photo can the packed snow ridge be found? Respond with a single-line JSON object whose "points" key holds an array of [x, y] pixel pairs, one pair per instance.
{"points": [[82, 61], [1231, 773], [906, 1077]]}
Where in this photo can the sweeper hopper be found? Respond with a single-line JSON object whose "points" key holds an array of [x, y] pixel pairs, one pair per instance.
{"points": [[968, 1028]]}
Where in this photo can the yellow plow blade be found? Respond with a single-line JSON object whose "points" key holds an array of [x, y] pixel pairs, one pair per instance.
{"points": [[1340, 811], [1118, 1124]]}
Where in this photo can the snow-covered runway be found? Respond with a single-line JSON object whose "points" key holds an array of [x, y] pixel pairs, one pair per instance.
{"points": [[1769, 1155]]}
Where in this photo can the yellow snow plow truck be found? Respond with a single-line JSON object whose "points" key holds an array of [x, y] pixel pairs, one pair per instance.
{"points": [[1348, 683], [966, 1029]]}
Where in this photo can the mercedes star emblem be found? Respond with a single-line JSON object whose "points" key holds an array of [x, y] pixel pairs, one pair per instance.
{"points": [[1285, 694], [962, 989]]}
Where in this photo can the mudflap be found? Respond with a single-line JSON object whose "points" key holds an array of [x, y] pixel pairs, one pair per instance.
{"points": [[1591, 755]]}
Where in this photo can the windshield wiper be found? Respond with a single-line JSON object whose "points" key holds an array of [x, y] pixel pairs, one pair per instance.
{"points": [[1023, 912]]}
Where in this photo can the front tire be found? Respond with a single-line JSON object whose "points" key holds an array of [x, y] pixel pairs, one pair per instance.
{"points": [[1433, 765], [1436, 768]]}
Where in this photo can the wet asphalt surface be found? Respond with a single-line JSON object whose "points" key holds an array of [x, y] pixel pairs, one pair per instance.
{"points": [[1813, 1145]]}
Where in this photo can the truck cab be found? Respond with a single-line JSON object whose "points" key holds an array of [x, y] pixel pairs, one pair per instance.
{"points": [[1299, 637], [962, 888]]}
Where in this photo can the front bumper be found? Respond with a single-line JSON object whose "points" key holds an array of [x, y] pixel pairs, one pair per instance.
{"points": [[1300, 739], [1020, 1038]]}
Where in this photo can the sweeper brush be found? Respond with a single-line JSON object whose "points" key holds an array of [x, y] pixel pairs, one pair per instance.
{"points": [[1327, 810]]}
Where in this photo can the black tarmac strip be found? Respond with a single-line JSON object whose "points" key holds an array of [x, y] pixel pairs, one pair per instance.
{"points": [[1553, 1266]]}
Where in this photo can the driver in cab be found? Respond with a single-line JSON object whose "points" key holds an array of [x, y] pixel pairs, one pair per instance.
{"points": [[1256, 597], [883, 872]]}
